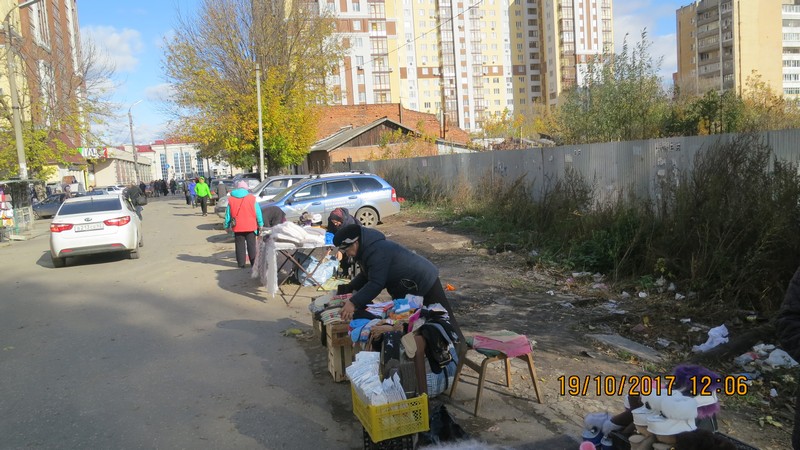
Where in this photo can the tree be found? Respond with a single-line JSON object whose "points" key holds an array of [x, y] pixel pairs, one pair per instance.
{"points": [[764, 109], [211, 63], [60, 107], [620, 98]]}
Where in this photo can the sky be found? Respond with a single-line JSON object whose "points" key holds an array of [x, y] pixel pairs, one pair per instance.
{"points": [[131, 34]]}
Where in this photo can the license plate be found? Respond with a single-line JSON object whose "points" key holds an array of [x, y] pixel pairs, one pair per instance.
{"points": [[89, 227]]}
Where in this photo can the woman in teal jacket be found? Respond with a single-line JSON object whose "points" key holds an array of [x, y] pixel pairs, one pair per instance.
{"points": [[243, 216]]}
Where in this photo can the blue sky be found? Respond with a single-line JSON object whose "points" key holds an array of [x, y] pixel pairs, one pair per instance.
{"points": [[130, 33]]}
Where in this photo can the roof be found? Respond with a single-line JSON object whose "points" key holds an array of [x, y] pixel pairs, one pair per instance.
{"points": [[345, 135], [335, 117]]}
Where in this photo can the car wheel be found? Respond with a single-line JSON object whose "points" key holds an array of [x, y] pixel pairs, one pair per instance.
{"points": [[59, 262], [367, 216]]}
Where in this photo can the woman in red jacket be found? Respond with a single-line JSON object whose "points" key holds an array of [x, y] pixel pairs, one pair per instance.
{"points": [[243, 216]]}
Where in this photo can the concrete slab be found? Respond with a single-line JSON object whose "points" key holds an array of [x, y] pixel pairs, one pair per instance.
{"points": [[627, 345], [451, 245]]}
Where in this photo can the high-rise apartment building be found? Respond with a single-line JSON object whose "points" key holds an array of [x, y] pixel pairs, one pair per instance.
{"points": [[465, 60], [721, 43]]}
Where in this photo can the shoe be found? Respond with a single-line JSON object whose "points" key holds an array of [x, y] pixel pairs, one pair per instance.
{"points": [[205, 214], [241, 266]]}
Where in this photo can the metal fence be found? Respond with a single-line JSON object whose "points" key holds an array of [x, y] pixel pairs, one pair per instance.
{"points": [[615, 168]]}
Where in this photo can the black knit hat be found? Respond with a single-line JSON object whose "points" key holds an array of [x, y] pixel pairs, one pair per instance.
{"points": [[347, 235]]}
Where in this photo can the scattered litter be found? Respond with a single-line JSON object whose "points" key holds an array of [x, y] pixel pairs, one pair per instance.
{"points": [[292, 332], [625, 295], [598, 277], [779, 358], [566, 304], [750, 376], [642, 294], [695, 329], [660, 282], [751, 317], [533, 254], [745, 358], [551, 292], [672, 287], [600, 286], [613, 307], [639, 328], [716, 337], [663, 342], [686, 320], [679, 297], [429, 229], [763, 350], [581, 274], [449, 287], [773, 392]]}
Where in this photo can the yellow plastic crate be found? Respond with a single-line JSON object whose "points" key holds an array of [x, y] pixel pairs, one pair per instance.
{"points": [[392, 419]]}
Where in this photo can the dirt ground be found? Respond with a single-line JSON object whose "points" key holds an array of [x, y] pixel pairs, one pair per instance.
{"points": [[500, 290]]}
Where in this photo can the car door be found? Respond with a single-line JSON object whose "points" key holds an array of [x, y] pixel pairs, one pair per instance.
{"points": [[340, 194], [308, 198]]}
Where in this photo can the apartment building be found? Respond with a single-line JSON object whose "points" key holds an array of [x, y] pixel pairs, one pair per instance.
{"points": [[466, 60], [722, 42]]}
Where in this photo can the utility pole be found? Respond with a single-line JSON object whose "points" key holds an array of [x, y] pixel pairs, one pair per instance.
{"points": [[133, 144], [260, 128]]}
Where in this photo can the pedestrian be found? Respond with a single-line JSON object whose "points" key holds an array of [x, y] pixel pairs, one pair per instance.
{"points": [[68, 190], [173, 186], [243, 217], [186, 192], [143, 188], [788, 325], [164, 189], [203, 195], [222, 190], [192, 193], [273, 215], [132, 194]]}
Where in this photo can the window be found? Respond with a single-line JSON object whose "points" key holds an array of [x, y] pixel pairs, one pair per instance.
{"points": [[336, 188], [356, 25], [356, 6], [310, 191], [359, 60], [367, 184]]}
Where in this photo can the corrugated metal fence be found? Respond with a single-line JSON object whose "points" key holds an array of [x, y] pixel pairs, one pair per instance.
{"points": [[613, 168]]}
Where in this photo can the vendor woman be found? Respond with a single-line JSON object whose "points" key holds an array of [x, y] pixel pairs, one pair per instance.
{"points": [[388, 265]]}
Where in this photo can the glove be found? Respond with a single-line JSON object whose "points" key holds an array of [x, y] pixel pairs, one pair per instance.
{"points": [[343, 289]]}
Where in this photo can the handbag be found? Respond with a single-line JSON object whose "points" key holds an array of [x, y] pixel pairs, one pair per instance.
{"points": [[233, 219]]}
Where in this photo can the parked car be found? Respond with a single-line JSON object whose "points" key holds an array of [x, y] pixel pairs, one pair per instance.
{"points": [[263, 191], [113, 189], [49, 206], [369, 196], [94, 224]]}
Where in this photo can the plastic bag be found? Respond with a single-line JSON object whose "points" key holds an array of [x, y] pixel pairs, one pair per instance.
{"points": [[325, 271], [443, 428]]}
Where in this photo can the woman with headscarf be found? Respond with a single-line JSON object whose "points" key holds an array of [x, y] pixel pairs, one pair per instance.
{"points": [[243, 217], [338, 219]]}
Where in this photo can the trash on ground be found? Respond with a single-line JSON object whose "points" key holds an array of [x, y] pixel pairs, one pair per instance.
{"points": [[679, 297], [686, 320], [625, 295], [716, 336], [566, 304], [642, 294], [672, 287], [663, 342]]}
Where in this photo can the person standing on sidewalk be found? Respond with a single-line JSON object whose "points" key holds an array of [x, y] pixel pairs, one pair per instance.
{"points": [[243, 216], [203, 194]]}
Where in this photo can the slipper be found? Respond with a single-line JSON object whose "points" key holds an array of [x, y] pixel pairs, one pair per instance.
{"points": [[409, 344]]}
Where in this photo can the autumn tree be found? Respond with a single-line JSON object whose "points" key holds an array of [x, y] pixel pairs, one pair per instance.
{"points": [[211, 62], [620, 98], [59, 107]]}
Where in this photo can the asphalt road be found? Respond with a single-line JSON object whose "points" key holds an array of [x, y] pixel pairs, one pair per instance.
{"points": [[178, 349]]}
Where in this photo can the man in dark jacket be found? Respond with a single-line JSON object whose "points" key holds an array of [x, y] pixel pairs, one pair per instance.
{"points": [[132, 193], [788, 325], [387, 265]]}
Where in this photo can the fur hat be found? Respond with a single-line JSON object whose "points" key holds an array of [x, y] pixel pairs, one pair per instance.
{"points": [[678, 414], [346, 236], [651, 404], [707, 405]]}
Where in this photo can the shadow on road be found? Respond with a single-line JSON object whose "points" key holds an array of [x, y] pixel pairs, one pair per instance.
{"points": [[85, 260]]}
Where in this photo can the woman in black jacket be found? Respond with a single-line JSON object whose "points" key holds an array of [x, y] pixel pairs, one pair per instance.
{"points": [[340, 218]]}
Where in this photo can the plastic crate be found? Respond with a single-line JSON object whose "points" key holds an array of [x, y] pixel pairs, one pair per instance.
{"points": [[391, 420], [398, 443]]}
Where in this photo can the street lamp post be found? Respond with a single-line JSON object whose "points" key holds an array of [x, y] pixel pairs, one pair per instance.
{"points": [[133, 144], [12, 84], [260, 129]]}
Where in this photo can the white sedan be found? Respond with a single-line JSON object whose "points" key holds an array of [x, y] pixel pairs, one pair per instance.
{"points": [[94, 224]]}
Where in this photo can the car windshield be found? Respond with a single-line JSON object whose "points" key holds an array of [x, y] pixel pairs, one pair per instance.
{"points": [[283, 193], [95, 205]]}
